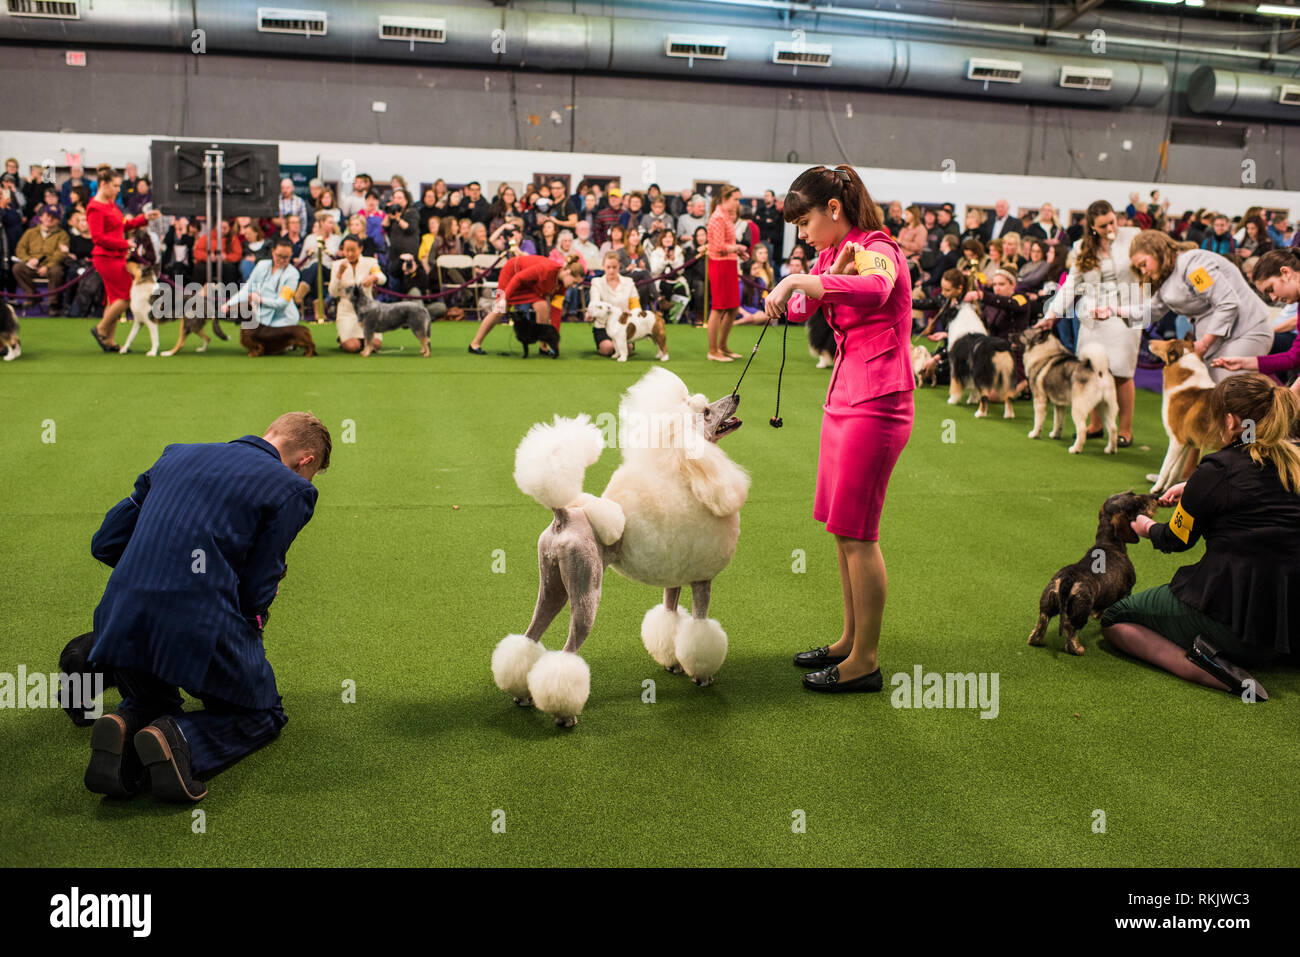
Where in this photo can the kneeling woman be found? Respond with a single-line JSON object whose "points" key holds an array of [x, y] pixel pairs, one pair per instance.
{"points": [[862, 285], [611, 294], [538, 281], [1240, 604]]}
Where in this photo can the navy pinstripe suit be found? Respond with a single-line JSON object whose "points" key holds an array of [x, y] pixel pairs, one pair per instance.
{"points": [[197, 551]]}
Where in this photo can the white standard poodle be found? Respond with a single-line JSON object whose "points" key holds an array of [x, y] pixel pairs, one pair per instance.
{"points": [[670, 517]]}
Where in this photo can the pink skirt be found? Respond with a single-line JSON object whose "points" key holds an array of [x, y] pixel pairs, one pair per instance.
{"points": [[859, 447]]}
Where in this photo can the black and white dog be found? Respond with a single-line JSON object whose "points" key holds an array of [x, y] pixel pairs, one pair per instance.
{"points": [[387, 316], [10, 347], [981, 363], [821, 340]]}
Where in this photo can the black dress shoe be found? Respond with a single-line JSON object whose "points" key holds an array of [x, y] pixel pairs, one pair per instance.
{"points": [[829, 680], [1210, 659], [115, 768], [817, 658], [166, 757], [75, 660], [477, 352]]}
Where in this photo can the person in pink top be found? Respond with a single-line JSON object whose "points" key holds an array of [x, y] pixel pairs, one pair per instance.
{"points": [[861, 283], [1277, 276]]}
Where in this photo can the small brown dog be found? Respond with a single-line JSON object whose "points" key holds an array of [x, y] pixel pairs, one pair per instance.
{"points": [[276, 340], [1100, 578]]}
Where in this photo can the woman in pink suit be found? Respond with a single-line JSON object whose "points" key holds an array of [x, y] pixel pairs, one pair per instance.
{"points": [[862, 285]]}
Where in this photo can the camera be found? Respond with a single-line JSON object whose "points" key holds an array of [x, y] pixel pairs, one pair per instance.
{"points": [[392, 209]]}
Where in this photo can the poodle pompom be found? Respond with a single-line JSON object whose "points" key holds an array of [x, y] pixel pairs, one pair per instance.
{"points": [[701, 648], [560, 683], [512, 659], [552, 458], [606, 516], [659, 630]]}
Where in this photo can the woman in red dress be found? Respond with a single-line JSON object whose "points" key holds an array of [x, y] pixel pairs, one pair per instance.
{"points": [[108, 232], [535, 280], [724, 274], [862, 285]]}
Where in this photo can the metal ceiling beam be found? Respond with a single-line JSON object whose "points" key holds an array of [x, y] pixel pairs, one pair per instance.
{"points": [[1086, 6]]}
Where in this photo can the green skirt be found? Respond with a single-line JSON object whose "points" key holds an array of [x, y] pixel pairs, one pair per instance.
{"points": [[1164, 613]]}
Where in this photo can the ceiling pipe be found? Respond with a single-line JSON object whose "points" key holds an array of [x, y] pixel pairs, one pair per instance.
{"points": [[1023, 32]]}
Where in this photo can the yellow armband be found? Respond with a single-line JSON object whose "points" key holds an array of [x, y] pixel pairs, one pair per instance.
{"points": [[1181, 523], [871, 263]]}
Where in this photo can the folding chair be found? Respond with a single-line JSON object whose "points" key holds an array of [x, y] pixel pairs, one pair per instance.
{"points": [[448, 263], [485, 288]]}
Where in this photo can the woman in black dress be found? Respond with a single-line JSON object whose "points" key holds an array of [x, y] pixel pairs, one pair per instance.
{"points": [[1240, 604]]}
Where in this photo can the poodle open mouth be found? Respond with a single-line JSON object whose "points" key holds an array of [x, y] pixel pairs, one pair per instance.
{"points": [[728, 425]]}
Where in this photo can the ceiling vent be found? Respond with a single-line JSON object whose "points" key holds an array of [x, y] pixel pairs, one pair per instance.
{"points": [[308, 23], [53, 9], [994, 71], [1086, 78], [700, 48], [413, 29], [788, 53]]}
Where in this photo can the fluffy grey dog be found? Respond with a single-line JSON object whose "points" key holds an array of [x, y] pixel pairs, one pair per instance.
{"points": [[387, 316]]}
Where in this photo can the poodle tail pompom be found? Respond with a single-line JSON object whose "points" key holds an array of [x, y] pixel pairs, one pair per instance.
{"points": [[701, 648], [512, 659], [560, 683], [552, 459], [659, 630]]}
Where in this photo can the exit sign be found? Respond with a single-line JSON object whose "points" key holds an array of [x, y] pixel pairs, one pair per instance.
{"points": [[75, 58]]}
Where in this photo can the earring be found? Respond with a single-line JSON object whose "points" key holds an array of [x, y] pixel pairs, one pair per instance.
{"points": [[835, 215]]}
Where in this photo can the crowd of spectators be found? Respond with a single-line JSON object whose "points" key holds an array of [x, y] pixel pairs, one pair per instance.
{"points": [[658, 238]]}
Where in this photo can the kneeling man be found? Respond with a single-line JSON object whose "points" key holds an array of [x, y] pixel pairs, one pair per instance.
{"points": [[197, 551]]}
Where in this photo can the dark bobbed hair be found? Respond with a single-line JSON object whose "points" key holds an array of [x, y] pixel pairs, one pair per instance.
{"points": [[815, 187]]}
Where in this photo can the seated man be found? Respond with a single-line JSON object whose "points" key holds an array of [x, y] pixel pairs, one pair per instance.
{"points": [[41, 252], [197, 551]]}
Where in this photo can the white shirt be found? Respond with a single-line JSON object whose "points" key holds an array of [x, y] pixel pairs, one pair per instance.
{"points": [[620, 297]]}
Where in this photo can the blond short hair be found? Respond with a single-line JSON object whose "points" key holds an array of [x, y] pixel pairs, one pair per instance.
{"points": [[305, 433]]}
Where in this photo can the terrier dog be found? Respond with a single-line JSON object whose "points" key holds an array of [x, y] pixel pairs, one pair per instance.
{"points": [[626, 327], [10, 346], [1185, 409], [276, 340], [1100, 578], [922, 369], [981, 364], [387, 316], [528, 331], [1082, 384], [670, 517]]}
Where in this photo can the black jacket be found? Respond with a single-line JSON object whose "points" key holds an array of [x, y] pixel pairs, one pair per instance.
{"points": [[1249, 577]]}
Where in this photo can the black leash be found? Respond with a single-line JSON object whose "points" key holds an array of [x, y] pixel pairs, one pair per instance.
{"points": [[775, 421]]}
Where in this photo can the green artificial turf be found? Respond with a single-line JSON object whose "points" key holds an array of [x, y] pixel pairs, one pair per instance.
{"points": [[392, 586]]}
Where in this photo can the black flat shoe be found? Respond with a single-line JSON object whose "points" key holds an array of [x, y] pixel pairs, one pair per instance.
{"points": [[817, 659], [1095, 433], [829, 681], [477, 352], [1123, 443]]}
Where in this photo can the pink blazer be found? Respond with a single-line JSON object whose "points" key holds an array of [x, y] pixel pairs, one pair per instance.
{"points": [[872, 321]]}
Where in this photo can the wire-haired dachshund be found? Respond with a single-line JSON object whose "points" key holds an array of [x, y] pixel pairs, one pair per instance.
{"points": [[1100, 578]]}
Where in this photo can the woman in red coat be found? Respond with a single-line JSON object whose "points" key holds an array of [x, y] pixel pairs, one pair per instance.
{"points": [[534, 280], [108, 232], [862, 286]]}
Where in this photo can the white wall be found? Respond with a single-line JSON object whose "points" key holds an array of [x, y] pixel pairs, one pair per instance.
{"points": [[490, 166]]}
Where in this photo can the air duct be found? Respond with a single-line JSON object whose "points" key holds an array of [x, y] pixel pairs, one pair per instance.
{"points": [[1231, 93], [514, 39]]}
